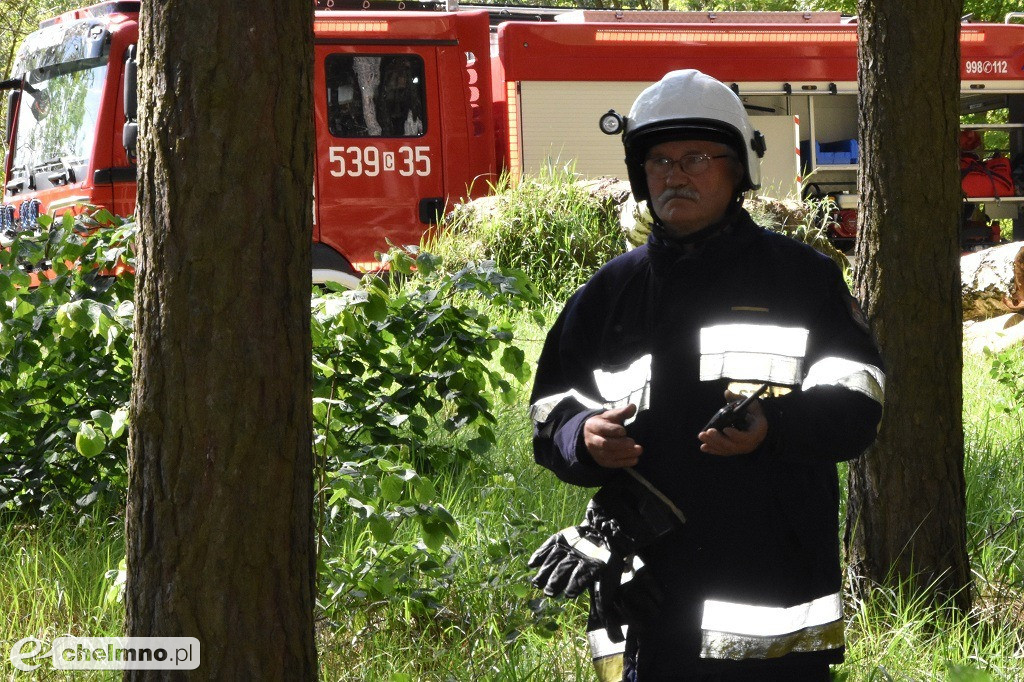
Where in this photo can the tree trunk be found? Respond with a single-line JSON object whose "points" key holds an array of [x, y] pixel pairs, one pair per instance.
{"points": [[219, 518], [907, 513]]}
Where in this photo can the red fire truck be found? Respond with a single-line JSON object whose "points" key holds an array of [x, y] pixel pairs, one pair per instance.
{"points": [[418, 109]]}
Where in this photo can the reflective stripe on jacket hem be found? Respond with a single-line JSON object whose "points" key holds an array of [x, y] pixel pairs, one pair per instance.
{"points": [[608, 656], [739, 631]]}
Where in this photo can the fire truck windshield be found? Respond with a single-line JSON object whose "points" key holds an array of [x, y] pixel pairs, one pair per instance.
{"points": [[57, 116]]}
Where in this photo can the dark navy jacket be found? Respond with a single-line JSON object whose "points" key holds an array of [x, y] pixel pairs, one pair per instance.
{"points": [[760, 549]]}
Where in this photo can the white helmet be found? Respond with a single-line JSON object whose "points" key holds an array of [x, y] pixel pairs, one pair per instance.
{"points": [[687, 104]]}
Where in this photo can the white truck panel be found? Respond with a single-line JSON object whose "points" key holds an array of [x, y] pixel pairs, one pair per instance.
{"points": [[558, 125]]}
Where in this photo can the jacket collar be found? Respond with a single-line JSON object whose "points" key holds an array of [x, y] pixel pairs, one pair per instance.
{"points": [[734, 232]]}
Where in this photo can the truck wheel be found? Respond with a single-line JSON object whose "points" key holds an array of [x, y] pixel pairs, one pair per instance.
{"points": [[331, 266]]}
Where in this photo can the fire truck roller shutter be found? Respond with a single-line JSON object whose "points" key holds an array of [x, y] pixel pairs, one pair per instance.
{"points": [[331, 266]]}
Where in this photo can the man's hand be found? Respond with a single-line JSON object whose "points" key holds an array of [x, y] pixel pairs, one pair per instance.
{"points": [[606, 439], [732, 441]]}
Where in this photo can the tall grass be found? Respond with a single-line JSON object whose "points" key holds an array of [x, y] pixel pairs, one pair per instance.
{"points": [[54, 582], [487, 623], [548, 226]]}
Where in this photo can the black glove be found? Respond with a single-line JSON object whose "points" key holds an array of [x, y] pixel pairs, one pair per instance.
{"points": [[623, 517], [570, 560]]}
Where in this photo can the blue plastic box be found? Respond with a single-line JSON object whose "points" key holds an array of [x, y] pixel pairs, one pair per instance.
{"points": [[839, 153]]}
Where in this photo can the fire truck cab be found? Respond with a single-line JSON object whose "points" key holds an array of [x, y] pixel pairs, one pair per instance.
{"points": [[403, 125], [402, 113], [65, 117]]}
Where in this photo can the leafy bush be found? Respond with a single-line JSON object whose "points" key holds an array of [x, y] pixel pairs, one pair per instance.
{"points": [[65, 364], [803, 220], [405, 375], [1007, 368], [548, 226]]}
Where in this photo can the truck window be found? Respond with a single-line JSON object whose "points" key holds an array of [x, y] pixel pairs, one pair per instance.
{"points": [[57, 115], [375, 95]]}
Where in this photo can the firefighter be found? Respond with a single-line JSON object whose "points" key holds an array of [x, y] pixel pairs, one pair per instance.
{"points": [[711, 553]]}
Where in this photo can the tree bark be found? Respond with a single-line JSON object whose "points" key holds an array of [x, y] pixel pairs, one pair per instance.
{"points": [[907, 513], [219, 518]]}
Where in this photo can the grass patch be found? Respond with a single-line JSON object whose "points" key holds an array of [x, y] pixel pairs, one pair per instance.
{"points": [[53, 582], [548, 226], [486, 623]]}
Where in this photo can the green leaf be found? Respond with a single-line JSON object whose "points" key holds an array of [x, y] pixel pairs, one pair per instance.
{"points": [[478, 445], [104, 217], [401, 262], [384, 584], [423, 490], [20, 279], [521, 590], [427, 263], [376, 307], [433, 538], [103, 419], [118, 422], [89, 442], [381, 528], [392, 487], [966, 673], [325, 369]]}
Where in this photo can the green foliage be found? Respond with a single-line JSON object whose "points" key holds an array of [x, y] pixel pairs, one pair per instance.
{"points": [[65, 371], [548, 226], [1007, 369], [53, 578], [802, 220], [484, 622], [408, 374], [406, 378]]}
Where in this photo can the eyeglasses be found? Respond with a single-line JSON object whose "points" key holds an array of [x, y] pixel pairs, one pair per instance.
{"points": [[691, 164]]}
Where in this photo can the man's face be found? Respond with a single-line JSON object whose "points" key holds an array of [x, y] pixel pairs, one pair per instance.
{"points": [[688, 202]]}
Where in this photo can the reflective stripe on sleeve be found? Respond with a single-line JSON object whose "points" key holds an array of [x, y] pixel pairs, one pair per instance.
{"points": [[738, 631], [618, 389], [542, 408], [856, 376], [753, 352], [628, 386]]}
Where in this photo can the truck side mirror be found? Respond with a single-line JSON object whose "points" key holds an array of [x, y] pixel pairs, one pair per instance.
{"points": [[130, 133], [96, 41]]}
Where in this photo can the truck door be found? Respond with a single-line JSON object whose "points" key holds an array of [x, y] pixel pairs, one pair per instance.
{"points": [[379, 169]]}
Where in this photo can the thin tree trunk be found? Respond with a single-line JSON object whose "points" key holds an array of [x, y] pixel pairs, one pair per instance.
{"points": [[907, 518], [219, 519]]}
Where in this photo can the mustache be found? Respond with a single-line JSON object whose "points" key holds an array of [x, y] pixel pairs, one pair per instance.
{"points": [[679, 193]]}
